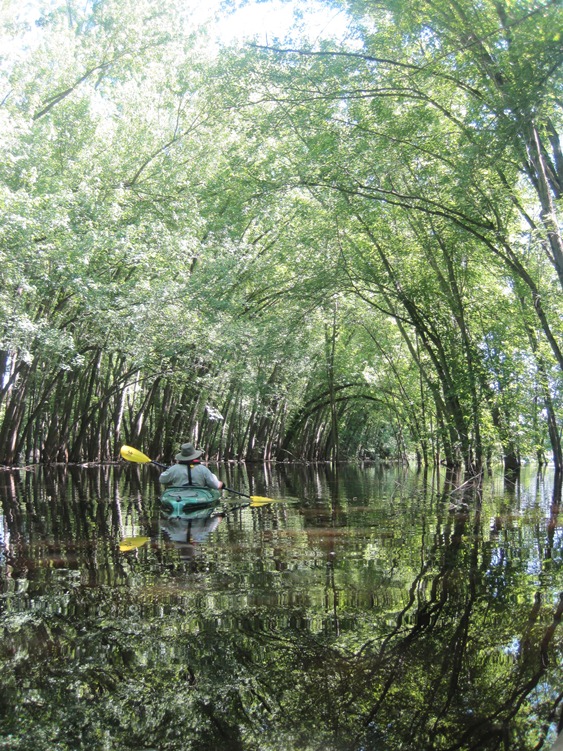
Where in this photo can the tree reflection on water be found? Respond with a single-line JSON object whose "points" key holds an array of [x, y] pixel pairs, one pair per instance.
{"points": [[367, 609]]}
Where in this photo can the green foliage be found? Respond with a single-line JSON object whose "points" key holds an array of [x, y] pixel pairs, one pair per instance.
{"points": [[222, 246]]}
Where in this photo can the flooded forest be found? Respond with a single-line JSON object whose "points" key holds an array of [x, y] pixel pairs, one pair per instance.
{"points": [[322, 242]]}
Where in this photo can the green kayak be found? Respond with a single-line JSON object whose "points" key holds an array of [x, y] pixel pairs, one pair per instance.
{"points": [[184, 500]]}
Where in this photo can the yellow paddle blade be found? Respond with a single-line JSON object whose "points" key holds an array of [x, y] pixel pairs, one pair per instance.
{"points": [[132, 455], [131, 543], [259, 500]]}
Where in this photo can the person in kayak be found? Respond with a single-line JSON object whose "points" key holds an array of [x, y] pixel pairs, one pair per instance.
{"points": [[189, 471]]}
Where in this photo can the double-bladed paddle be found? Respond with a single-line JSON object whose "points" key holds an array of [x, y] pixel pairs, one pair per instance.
{"points": [[134, 455]]}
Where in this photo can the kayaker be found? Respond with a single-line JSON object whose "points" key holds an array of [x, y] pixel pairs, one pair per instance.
{"points": [[189, 471]]}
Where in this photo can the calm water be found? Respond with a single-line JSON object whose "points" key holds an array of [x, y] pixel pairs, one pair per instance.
{"points": [[364, 609]]}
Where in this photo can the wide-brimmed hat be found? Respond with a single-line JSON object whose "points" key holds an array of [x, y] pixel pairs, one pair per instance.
{"points": [[188, 452]]}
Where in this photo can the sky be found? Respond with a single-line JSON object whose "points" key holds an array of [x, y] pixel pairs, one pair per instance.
{"points": [[273, 19], [262, 21]]}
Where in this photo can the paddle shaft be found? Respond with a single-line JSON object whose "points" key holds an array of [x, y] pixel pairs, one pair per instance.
{"points": [[236, 492]]}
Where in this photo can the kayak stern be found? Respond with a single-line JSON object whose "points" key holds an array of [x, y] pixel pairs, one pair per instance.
{"points": [[183, 500]]}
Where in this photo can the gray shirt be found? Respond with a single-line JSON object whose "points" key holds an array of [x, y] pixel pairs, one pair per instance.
{"points": [[177, 475]]}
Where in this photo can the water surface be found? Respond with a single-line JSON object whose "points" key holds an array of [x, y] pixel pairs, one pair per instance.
{"points": [[365, 608]]}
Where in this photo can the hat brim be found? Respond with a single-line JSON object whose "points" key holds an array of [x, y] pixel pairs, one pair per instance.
{"points": [[183, 458]]}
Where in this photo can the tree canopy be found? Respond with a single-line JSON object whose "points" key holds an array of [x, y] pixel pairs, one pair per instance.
{"points": [[296, 248]]}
